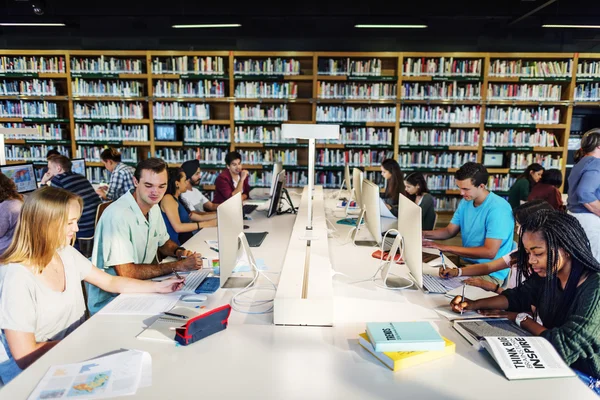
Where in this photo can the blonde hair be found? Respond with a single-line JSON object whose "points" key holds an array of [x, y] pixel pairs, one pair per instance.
{"points": [[39, 232]]}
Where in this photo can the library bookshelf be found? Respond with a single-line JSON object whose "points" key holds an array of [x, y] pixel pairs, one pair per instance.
{"points": [[430, 111]]}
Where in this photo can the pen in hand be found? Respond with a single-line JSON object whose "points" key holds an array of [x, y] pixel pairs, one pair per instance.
{"points": [[443, 260], [176, 274], [462, 299]]}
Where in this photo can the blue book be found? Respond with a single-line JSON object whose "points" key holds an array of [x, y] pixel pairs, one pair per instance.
{"points": [[404, 336]]}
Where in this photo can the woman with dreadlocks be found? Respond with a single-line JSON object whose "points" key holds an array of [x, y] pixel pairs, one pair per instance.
{"points": [[562, 280]]}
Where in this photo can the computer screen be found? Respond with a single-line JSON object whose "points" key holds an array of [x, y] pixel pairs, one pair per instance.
{"points": [[277, 168], [357, 179], [276, 197], [22, 175], [370, 200], [409, 226], [347, 178], [165, 132], [78, 166]]}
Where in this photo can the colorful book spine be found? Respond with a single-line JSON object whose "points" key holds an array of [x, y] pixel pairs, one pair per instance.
{"points": [[268, 66]]}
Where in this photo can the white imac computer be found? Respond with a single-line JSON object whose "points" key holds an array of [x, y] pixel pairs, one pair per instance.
{"points": [[277, 168], [232, 242], [276, 194], [22, 175], [78, 166], [409, 226], [370, 210]]}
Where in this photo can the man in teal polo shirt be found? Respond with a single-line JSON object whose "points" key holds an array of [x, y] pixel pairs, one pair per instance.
{"points": [[484, 220], [131, 231]]}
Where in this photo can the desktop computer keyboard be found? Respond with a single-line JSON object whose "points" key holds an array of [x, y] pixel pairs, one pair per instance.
{"points": [[248, 208], [194, 279], [434, 284]]}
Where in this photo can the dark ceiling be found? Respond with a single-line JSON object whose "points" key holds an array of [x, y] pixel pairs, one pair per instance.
{"points": [[482, 25]]}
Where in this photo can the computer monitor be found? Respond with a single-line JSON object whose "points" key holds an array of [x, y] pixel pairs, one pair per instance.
{"points": [[357, 181], [23, 175], [230, 233], [347, 179], [165, 132], [78, 166], [370, 202], [277, 168], [409, 226], [276, 197], [391, 281]]}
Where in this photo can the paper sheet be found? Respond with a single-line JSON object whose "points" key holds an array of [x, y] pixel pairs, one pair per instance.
{"points": [[446, 311], [117, 374], [383, 210], [140, 304], [471, 293]]}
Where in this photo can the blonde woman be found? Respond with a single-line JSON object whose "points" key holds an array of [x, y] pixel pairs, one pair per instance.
{"points": [[41, 299]]}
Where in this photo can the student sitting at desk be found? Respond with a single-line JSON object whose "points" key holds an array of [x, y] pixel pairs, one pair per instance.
{"points": [[181, 225], [562, 281], [131, 231], [484, 220], [193, 199], [547, 189], [232, 180], [40, 280], [11, 202], [519, 191], [391, 172], [521, 213], [121, 175], [417, 191]]}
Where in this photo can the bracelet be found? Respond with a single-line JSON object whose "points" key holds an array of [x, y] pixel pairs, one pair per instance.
{"points": [[198, 225], [459, 271], [497, 287], [177, 249]]}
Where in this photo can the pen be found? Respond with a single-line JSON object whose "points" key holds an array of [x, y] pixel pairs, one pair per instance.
{"points": [[463, 298], [175, 315], [214, 249], [176, 274], [443, 261]]}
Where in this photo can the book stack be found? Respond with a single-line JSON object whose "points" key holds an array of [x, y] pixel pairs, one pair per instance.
{"points": [[401, 345]]}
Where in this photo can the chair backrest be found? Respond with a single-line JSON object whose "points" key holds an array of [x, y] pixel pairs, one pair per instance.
{"points": [[100, 210], [435, 220]]}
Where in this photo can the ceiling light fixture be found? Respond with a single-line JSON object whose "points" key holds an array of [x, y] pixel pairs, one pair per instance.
{"points": [[30, 24], [571, 26], [206, 26], [387, 26]]}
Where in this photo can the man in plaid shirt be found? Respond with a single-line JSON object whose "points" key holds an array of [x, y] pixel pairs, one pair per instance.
{"points": [[121, 176]]}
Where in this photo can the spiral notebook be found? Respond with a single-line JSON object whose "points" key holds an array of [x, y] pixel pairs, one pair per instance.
{"points": [[160, 330]]}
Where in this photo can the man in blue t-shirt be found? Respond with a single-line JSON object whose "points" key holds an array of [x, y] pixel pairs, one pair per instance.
{"points": [[484, 220]]}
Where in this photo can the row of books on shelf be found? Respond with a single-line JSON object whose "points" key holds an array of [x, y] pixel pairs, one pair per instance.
{"points": [[268, 66], [540, 92], [34, 87], [519, 138], [438, 137], [588, 69], [99, 88], [92, 153], [266, 157], [107, 132], [30, 64], [441, 91], [212, 156], [109, 110], [442, 66], [445, 203], [207, 133], [44, 131], [103, 64], [587, 92], [271, 90], [357, 158], [181, 111], [32, 153], [500, 183], [427, 159], [260, 134], [515, 115], [441, 114], [28, 109], [362, 136], [97, 175], [258, 113], [189, 88], [354, 90], [189, 64], [348, 66], [530, 68], [520, 161], [355, 114]]}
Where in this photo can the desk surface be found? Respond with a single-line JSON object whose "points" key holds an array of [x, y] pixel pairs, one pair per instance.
{"points": [[254, 359]]}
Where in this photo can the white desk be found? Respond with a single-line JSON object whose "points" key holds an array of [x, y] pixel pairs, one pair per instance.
{"points": [[253, 359]]}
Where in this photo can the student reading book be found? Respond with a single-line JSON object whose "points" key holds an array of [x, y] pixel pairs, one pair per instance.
{"points": [[562, 280]]}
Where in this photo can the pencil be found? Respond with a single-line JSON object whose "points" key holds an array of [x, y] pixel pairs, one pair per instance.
{"points": [[462, 299]]}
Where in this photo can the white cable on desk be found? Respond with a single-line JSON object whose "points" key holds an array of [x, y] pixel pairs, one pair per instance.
{"points": [[235, 302]]}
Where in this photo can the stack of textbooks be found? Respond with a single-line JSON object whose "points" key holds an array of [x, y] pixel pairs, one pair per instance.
{"points": [[401, 345]]}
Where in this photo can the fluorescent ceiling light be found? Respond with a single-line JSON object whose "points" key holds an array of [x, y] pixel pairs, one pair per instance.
{"points": [[572, 26], [30, 24], [207, 26], [384, 26]]}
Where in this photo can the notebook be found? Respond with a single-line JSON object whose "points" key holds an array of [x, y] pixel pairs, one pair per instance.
{"points": [[161, 331], [404, 336]]}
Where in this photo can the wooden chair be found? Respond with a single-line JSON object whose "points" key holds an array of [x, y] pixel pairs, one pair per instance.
{"points": [[101, 209]]}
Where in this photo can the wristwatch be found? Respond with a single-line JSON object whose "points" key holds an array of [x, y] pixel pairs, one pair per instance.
{"points": [[521, 317]]}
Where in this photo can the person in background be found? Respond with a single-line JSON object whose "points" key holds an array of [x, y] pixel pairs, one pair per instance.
{"points": [[391, 172], [60, 175], [193, 199], [584, 188], [40, 280], [121, 176], [181, 225], [547, 189], [522, 187], [521, 213], [483, 219], [561, 279], [132, 232], [233, 180], [51, 152], [11, 202], [417, 191]]}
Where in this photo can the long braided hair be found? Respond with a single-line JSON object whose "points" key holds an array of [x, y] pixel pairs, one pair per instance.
{"points": [[560, 231]]}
